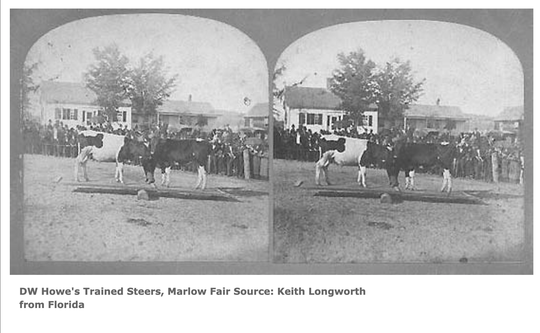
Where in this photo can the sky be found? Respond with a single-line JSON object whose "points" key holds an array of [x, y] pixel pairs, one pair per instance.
{"points": [[462, 66], [215, 62]]}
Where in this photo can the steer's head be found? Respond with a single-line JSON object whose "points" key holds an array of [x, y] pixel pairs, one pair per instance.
{"points": [[375, 154], [135, 149]]}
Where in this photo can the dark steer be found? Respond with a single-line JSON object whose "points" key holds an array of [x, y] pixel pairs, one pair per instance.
{"points": [[411, 156], [167, 152], [131, 151]]}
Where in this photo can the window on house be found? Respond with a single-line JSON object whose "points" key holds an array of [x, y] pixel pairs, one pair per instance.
{"points": [[73, 114], [57, 113], [66, 114], [124, 116], [310, 118], [317, 119], [301, 118]]}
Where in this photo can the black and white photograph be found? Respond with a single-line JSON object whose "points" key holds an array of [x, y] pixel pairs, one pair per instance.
{"points": [[167, 167], [145, 139], [399, 141]]}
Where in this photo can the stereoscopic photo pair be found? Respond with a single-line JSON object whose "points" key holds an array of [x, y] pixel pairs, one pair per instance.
{"points": [[191, 138]]}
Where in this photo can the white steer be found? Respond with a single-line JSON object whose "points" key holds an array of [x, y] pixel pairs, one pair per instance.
{"points": [[111, 145], [341, 151]]}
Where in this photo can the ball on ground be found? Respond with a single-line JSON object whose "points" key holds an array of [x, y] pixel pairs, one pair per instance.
{"points": [[386, 198], [142, 195]]}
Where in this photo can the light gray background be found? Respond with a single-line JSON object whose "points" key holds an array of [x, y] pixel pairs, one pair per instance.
{"points": [[273, 30]]}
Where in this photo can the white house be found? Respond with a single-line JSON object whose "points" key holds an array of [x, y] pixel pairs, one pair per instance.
{"points": [[511, 119], [73, 104], [257, 116], [319, 109], [435, 118], [178, 114]]}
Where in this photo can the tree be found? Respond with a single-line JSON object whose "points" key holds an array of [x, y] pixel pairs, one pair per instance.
{"points": [[278, 94], [109, 79], [360, 83], [201, 121], [149, 85], [396, 88], [353, 82], [28, 86]]}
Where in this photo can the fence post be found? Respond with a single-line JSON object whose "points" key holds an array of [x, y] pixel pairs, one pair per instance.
{"points": [[256, 166], [247, 174], [495, 166], [209, 164], [265, 167]]}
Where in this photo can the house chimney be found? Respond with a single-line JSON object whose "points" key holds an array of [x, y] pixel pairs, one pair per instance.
{"points": [[190, 98], [438, 101]]}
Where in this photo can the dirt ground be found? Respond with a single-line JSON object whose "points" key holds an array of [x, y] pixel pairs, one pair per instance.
{"points": [[310, 229], [62, 225]]}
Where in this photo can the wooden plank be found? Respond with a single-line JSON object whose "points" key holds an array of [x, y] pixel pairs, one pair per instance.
{"points": [[156, 193], [344, 188], [379, 190], [399, 196], [146, 187]]}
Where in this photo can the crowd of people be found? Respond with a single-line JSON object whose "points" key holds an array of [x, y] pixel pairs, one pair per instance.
{"points": [[58, 139], [476, 152]]}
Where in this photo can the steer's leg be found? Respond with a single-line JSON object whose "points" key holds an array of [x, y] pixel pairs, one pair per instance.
{"points": [[407, 179], [411, 175], [325, 172], [120, 172], [322, 167], [318, 170], [448, 180], [85, 174], [362, 175], [168, 176], [76, 171], [202, 173], [162, 177], [445, 181], [199, 178]]}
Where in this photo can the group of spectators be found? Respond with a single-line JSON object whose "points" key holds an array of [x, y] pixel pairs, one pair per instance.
{"points": [[477, 153], [58, 139]]}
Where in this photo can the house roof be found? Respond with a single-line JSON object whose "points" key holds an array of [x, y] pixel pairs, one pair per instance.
{"points": [[514, 113], [311, 98], [258, 110], [66, 93], [434, 111], [185, 107]]}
